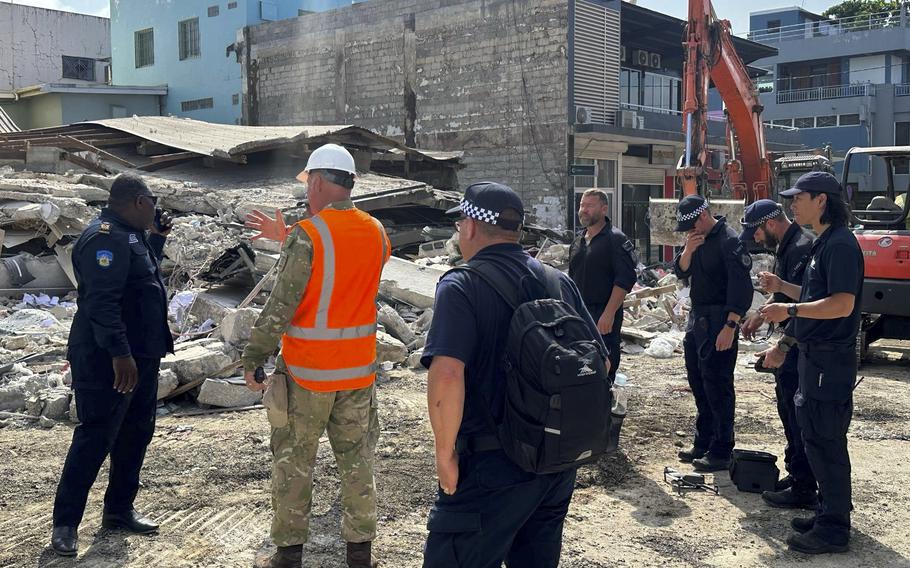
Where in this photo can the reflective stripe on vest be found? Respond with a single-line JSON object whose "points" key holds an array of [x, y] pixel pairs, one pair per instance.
{"points": [[324, 358]]}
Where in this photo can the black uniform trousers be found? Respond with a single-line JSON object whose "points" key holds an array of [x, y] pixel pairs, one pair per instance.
{"points": [[111, 423], [795, 460], [499, 512], [612, 339], [824, 409], [710, 374]]}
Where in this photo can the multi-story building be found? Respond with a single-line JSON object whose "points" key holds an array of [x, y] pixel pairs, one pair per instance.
{"points": [[842, 82], [189, 46], [534, 93]]}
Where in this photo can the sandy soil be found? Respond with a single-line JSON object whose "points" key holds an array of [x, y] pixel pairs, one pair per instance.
{"points": [[206, 481]]}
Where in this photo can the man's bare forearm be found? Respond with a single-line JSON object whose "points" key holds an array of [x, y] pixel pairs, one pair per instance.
{"points": [[792, 291], [445, 402], [833, 307], [616, 299]]}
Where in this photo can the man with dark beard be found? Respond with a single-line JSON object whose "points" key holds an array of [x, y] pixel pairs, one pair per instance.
{"points": [[766, 223], [602, 263]]}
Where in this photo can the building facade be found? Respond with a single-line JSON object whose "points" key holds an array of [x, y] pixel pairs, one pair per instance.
{"points": [[527, 89], [38, 45], [841, 82], [189, 46]]}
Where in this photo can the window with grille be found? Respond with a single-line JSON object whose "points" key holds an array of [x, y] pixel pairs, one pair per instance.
{"points": [[188, 34], [197, 104], [81, 68], [145, 48], [214, 11], [825, 121], [235, 99], [804, 122], [232, 5], [782, 122], [849, 119]]}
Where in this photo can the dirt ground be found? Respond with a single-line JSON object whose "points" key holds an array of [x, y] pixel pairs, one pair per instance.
{"points": [[206, 481]]}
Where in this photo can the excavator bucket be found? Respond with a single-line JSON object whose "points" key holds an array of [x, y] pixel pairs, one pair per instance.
{"points": [[662, 215]]}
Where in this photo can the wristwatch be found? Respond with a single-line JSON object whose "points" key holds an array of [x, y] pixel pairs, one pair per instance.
{"points": [[793, 310], [732, 324]]}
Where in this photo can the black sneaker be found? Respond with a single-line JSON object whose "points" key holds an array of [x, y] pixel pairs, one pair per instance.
{"points": [[711, 463], [692, 453], [784, 483], [802, 524], [811, 543], [791, 499]]}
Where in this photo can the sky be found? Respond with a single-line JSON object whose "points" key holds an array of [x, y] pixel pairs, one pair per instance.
{"points": [[734, 10]]}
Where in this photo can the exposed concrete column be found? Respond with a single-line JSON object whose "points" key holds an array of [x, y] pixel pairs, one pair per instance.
{"points": [[410, 81], [340, 77]]}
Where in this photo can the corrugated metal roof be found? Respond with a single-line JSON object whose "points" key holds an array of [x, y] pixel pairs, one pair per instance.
{"points": [[228, 141], [7, 124]]}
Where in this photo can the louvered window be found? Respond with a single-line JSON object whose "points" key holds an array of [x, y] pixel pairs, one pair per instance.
{"points": [[596, 56]]}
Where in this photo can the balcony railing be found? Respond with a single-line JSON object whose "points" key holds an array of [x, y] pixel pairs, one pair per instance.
{"points": [[825, 93], [825, 28], [901, 90]]}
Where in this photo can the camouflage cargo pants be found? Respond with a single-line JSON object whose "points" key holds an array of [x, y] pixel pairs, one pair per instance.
{"points": [[352, 422]]}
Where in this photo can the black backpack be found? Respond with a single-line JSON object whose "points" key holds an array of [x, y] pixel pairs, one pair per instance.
{"points": [[558, 397]]}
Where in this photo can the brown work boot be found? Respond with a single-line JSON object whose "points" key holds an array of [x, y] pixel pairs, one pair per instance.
{"points": [[284, 557], [360, 556]]}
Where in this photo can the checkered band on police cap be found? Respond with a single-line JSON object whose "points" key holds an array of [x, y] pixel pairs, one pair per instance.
{"points": [[680, 216], [479, 213], [758, 222]]}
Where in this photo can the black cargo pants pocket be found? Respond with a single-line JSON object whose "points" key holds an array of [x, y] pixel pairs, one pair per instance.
{"points": [[446, 528]]}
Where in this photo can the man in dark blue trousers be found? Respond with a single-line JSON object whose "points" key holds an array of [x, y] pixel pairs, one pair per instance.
{"points": [[117, 340], [488, 510]]}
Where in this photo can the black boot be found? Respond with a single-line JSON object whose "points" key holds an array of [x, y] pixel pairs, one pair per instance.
{"points": [[64, 541], [783, 483], [812, 543], [284, 557], [130, 521], [791, 498], [360, 555], [802, 524], [692, 453], [711, 463]]}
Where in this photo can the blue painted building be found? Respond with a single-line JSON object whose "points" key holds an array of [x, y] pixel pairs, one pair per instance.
{"points": [[843, 82], [187, 45]]}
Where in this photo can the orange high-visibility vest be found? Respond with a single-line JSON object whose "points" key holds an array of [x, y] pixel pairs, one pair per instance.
{"points": [[331, 342]]}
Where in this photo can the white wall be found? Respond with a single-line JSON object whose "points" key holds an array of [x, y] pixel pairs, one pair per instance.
{"points": [[34, 40], [868, 69]]}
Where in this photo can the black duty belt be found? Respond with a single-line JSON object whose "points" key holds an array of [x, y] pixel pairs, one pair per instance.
{"points": [[474, 444]]}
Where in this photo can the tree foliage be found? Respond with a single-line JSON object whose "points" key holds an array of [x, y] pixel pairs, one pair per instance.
{"points": [[850, 8]]}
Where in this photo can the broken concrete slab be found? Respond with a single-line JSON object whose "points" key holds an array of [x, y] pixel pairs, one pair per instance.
{"points": [[167, 382], [29, 321], [410, 283], [217, 302], [394, 325], [389, 349], [414, 360], [197, 360], [238, 324], [51, 403], [227, 393]]}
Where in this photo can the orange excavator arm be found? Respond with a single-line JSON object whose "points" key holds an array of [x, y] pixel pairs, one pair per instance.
{"points": [[711, 56]]}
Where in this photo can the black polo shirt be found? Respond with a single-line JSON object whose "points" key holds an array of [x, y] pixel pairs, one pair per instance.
{"points": [[793, 253], [471, 324], [719, 274], [597, 266], [835, 266]]}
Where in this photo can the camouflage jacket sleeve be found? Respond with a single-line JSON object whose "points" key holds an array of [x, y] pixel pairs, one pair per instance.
{"points": [[294, 267]]}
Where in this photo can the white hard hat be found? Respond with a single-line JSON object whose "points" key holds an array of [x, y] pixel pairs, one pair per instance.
{"points": [[329, 157]]}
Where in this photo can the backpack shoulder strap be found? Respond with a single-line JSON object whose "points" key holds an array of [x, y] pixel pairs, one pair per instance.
{"points": [[496, 279], [552, 281]]}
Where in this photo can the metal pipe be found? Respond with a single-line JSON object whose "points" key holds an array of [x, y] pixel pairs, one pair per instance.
{"points": [[689, 139]]}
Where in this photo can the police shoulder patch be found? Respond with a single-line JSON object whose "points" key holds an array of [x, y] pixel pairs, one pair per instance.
{"points": [[104, 228], [133, 238], [746, 260], [104, 258]]}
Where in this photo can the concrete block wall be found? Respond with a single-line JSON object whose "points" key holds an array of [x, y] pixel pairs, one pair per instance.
{"points": [[485, 76]]}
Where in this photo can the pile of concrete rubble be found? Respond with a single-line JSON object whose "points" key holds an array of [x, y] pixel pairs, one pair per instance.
{"points": [[218, 282]]}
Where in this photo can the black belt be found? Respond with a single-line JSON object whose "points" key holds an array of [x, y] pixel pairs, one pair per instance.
{"points": [[819, 347], [474, 444]]}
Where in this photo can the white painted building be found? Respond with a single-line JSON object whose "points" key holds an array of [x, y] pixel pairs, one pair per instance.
{"points": [[38, 46]]}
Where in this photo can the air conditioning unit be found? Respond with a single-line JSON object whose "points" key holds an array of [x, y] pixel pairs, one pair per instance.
{"points": [[627, 119], [641, 58], [655, 60], [582, 115], [622, 53]]}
